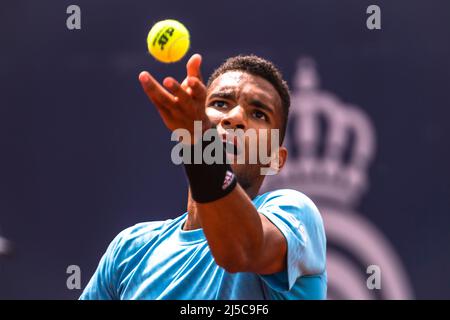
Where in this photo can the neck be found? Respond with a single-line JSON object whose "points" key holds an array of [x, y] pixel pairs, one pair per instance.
{"points": [[192, 221]]}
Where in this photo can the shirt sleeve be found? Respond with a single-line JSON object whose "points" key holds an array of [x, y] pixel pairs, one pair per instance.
{"points": [[102, 285], [299, 220]]}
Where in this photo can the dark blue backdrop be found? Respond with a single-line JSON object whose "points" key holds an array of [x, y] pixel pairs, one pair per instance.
{"points": [[83, 154]]}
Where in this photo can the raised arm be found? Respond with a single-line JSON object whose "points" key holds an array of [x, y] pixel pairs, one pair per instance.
{"points": [[240, 238]]}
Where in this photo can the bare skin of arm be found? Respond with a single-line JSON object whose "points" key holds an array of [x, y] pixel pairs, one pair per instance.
{"points": [[240, 238]]}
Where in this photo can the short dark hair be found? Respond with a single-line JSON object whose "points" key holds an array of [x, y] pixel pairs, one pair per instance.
{"points": [[263, 68]]}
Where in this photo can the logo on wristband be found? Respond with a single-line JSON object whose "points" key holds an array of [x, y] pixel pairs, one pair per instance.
{"points": [[229, 176]]}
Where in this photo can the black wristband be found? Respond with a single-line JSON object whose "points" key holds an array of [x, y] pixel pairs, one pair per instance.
{"points": [[209, 182]]}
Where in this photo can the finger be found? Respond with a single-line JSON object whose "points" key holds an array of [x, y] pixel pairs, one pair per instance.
{"points": [[163, 111], [175, 89], [155, 92], [193, 66], [198, 89]]}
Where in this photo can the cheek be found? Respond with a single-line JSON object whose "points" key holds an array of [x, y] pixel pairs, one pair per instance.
{"points": [[268, 137], [213, 115]]}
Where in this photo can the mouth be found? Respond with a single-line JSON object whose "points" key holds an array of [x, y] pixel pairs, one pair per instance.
{"points": [[230, 145], [230, 148]]}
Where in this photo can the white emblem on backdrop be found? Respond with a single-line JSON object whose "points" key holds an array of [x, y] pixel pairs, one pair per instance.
{"points": [[331, 145], [5, 246]]}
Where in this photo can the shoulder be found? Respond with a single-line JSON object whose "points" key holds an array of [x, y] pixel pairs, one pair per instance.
{"points": [[133, 238], [118, 259], [141, 231], [295, 215], [291, 201], [299, 220], [286, 194]]}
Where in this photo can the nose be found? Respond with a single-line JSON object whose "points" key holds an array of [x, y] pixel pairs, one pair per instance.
{"points": [[235, 119]]}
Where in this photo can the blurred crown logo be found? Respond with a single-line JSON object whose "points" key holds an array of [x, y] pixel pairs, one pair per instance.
{"points": [[5, 248], [331, 143]]}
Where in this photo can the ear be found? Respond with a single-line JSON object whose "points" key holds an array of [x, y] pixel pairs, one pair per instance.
{"points": [[277, 162], [282, 157]]}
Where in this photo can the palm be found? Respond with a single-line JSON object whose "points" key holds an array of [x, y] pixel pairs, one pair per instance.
{"points": [[179, 105]]}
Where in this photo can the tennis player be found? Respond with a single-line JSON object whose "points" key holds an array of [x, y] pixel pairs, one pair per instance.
{"points": [[233, 242]]}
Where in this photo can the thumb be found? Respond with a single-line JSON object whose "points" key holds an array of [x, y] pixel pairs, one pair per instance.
{"points": [[193, 67]]}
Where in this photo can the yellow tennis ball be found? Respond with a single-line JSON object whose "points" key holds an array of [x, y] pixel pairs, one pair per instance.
{"points": [[168, 41]]}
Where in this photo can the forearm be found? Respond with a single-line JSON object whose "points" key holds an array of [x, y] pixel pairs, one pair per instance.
{"points": [[233, 228]]}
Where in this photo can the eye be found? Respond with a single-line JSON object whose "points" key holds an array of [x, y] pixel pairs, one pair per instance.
{"points": [[218, 104], [259, 115]]}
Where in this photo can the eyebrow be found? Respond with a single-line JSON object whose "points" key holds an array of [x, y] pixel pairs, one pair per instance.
{"points": [[230, 95], [260, 105]]}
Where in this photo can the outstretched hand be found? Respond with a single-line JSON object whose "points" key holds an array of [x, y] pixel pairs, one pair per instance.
{"points": [[179, 105]]}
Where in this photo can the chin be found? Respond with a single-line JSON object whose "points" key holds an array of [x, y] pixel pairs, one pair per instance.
{"points": [[247, 175]]}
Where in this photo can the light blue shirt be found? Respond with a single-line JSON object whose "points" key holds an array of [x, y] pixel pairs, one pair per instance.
{"points": [[158, 260]]}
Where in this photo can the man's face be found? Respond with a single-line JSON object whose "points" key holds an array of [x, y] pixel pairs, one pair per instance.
{"points": [[239, 100]]}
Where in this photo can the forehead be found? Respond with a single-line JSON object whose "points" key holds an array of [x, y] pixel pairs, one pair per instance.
{"points": [[243, 83]]}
